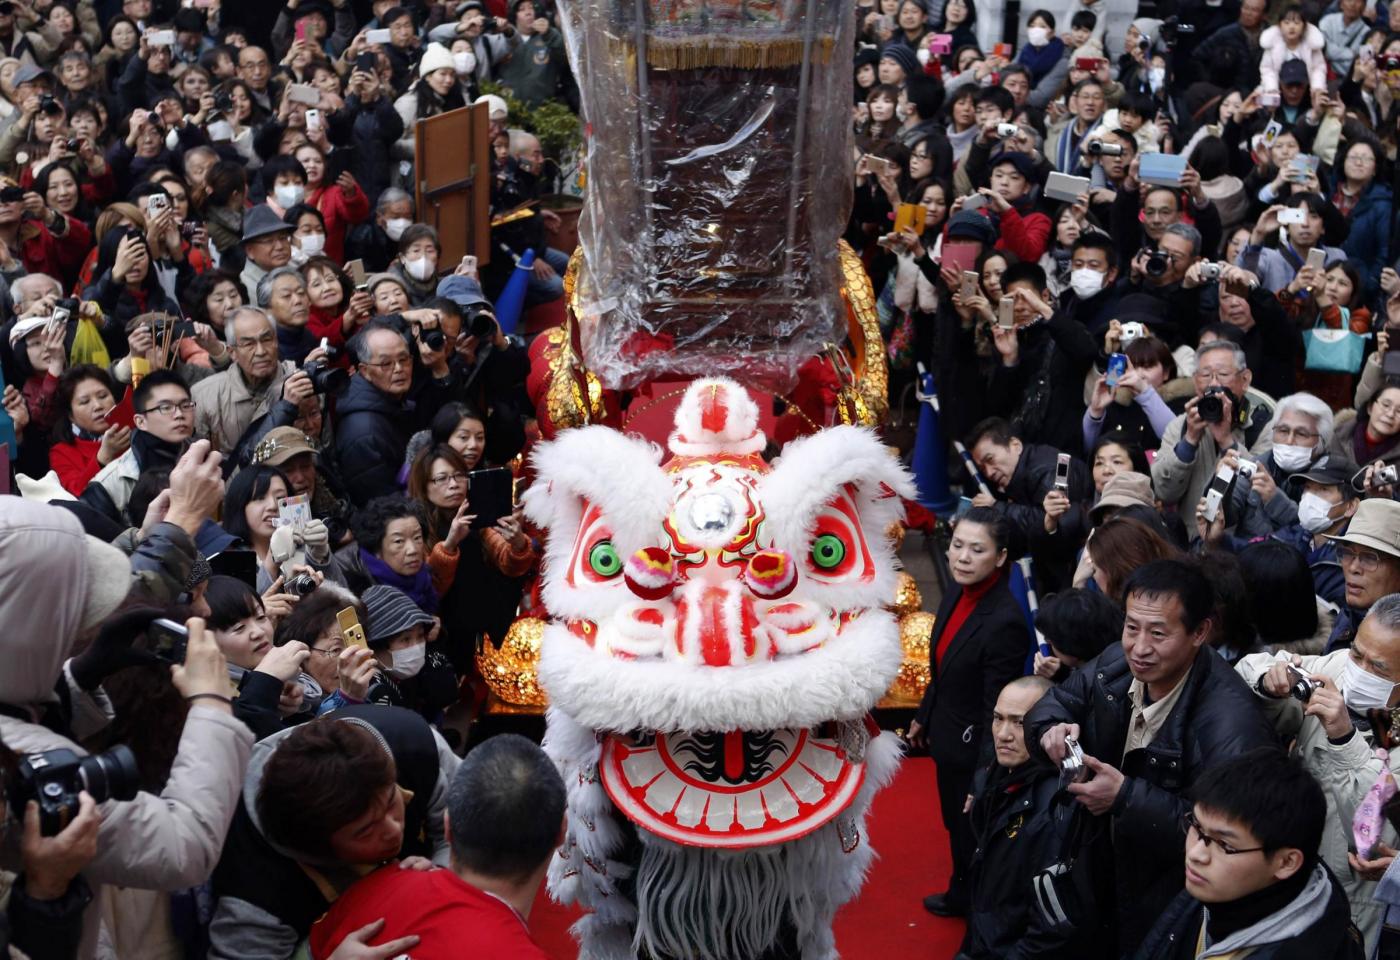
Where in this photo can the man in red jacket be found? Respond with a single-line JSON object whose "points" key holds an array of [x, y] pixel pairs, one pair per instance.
{"points": [[505, 817]]}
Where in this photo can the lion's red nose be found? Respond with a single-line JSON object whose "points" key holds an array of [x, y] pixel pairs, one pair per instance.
{"points": [[716, 625]]}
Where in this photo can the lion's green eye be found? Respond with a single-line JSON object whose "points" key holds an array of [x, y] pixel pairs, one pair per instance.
{"points": [[828, 551], [604, 559]]}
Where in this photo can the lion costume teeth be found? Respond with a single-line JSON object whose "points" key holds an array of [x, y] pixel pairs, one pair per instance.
{"points": [[717, 642]]}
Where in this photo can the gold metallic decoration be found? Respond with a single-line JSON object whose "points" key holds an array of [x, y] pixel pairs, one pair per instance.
{"points": [[511, 670], [894, 533], [906, 595], [564, 399], [914, 632], [870, 373]]}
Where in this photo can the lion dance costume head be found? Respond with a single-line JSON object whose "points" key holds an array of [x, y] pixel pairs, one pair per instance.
{"points": [[717, 640]]}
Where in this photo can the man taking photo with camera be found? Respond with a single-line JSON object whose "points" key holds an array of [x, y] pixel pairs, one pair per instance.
{"points": [[1337, 709]]}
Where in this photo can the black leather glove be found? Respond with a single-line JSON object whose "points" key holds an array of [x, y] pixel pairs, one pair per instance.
{"points": [[112, 650]]}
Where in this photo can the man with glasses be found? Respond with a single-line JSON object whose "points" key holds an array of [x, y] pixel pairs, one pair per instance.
{"points": [[1192, 445], [1151, 715], [1369, 553], [375, 418], [1254, 883], [1086, 102], [165, 418], [1301, 431], [255, 385], [1341, 716]]}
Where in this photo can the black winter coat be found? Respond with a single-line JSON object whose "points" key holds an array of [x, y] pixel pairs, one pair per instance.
{"points": [[988, 653], [371, 435], [1020, 829], [1331, 938], [1217, 717], [1043, 394], [1025, 495], [370, 129]]}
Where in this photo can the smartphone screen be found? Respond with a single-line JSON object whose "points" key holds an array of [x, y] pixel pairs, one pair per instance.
{"points": [[1117, 366], [1062, 472]]}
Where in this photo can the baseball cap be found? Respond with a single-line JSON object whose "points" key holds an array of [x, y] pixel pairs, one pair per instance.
{"points": [[281, 444], [1292, 71]]}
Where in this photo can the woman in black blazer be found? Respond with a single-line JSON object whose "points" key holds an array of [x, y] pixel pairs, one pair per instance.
{"points": [[980, 643]]}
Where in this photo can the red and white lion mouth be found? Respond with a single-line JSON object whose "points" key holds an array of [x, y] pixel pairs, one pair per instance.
{"points": [[736, 789]]}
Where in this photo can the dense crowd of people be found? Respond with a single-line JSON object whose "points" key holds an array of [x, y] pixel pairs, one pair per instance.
{"points": [[262, 439], [1153, 279]]}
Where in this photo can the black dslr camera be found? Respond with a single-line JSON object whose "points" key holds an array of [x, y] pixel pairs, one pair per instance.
{"points": [[433, 339], [54, 778], [481, 322], [325, 378], [1157, 263], [1211, 407]]}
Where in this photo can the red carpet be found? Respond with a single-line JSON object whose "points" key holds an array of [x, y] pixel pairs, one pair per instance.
{"points": [[888, 921]]}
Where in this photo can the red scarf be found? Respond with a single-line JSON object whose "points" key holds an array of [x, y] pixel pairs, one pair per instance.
{"points": [[971, 596]]}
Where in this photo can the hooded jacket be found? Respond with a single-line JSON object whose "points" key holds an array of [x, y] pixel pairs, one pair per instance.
{"points": [[1274, 53], [168, 842], [268, 894], [1315, 925]]}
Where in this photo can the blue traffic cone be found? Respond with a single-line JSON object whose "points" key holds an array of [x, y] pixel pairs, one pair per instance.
{"points": [[931, 453], [511, 303]]}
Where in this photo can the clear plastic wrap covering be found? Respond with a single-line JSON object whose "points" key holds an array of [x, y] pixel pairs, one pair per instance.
{"points": [[716, 148]]}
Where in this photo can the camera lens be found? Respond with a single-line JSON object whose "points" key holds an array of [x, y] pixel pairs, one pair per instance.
{"points": [[1156, 264], [480, 323], [324, 379], [434, 339], [301, 585], [110, 776]]}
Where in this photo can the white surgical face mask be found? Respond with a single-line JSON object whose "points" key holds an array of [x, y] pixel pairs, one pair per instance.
{"points": [[1156, 77], [172, 140], [1291, 457], [1363, 690], [1037, 36], [419, 268], [313, 244], [1313, 513], [396, 226], [288, 195], [464, 61], [408, 661], [1085, 282]]}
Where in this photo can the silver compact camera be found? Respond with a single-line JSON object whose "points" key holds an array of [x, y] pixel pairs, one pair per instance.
{"points": [[1131, 331], [1387, 475], [1302, 686], [1072, 768], [1246, 468], [1209, 271], [1005, 130]]}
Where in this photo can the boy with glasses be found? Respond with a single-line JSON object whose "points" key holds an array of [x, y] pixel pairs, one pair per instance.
{"points": [[1255, 886], [165, 416]]}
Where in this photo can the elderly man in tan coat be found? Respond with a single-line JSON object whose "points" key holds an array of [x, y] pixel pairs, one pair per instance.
{"points": [[229, 402]]}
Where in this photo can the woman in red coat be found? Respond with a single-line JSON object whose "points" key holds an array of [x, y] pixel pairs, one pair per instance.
{"points": [[342, 204], [83, 442]]}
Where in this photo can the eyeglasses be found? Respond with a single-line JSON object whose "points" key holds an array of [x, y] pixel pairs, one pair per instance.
{"points": [[168, 408], [1286, 433], [447, 479], [250, 343], [396, 363], [326, 653], [1189, 825], [1216, 376], [1367, 560]]}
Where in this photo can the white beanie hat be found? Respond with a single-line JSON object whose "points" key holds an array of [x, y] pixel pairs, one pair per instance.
{"points": [[436, 57], [495, 106]]}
